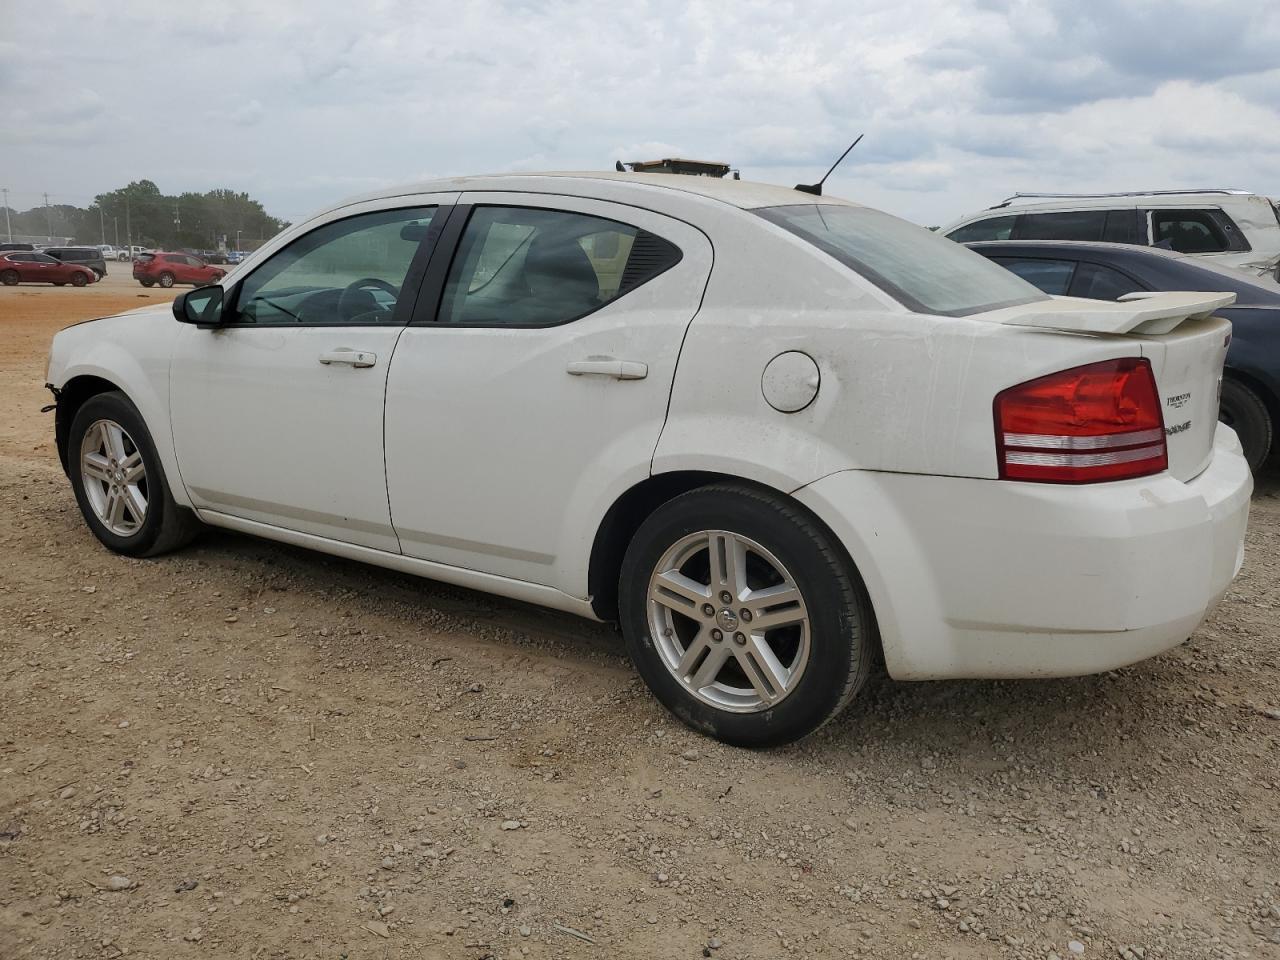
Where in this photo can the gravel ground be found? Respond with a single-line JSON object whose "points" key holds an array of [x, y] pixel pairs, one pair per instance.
{"points": [[246, 750]]}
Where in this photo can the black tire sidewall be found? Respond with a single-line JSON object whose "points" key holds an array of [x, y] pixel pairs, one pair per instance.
{"points": [[1251, 421], [117, 407], [10, 278], [840, 631]]}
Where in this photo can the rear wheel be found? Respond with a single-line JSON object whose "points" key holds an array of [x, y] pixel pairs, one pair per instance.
{"points": [[9, 278], [744, 617], [166, 279], [1245, 413], [79, 280], [119, 482], [147, 283]]}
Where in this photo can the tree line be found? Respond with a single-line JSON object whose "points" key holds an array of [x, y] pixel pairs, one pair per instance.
{"points": [[141, 214]]}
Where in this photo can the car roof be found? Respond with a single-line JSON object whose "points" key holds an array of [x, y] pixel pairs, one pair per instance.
{"points": [[745, 194]]}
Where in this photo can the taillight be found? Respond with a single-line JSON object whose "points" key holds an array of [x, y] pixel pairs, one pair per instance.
{"points": [[1098, 422]]}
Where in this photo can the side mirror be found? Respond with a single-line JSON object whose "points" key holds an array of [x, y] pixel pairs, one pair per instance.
{"points": [[202, 306]]}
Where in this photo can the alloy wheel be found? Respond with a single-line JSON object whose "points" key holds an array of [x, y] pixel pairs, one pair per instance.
{"points": [[728, 621], [114, 477]]}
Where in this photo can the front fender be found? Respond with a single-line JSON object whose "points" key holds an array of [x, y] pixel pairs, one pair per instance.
{"points": [[132, 352]]}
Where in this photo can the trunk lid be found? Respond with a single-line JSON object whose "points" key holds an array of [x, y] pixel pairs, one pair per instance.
{"points": [[1184, 342]]}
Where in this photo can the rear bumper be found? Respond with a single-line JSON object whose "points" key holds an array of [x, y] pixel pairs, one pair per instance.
{"points": [[984, 578]]}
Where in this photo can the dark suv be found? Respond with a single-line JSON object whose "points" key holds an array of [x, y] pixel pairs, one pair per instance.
{"points": [[90, 257]]}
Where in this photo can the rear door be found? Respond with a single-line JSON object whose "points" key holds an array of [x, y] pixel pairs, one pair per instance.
{"points": [[531, 388]]}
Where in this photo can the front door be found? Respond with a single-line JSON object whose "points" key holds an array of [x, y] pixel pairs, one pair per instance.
{"points": [[535, 395], [277, 416]]}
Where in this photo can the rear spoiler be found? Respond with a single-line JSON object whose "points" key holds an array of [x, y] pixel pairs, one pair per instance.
{"points": [[1141, 312]]}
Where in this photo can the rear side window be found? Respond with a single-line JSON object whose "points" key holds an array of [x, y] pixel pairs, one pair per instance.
{"points": [[1188, 231], [923, 271], [525, 267], [1096, 282], [1071, 225], [993, 228], [1051, 276]]}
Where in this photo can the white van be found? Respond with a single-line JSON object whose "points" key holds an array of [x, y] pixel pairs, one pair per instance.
{"points": [[1233, 227]]}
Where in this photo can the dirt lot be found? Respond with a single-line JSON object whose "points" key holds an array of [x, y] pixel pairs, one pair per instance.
{"points": [[246, 750]]}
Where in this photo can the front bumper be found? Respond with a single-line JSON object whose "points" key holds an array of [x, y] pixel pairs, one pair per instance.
{"points": [[986, 578]]}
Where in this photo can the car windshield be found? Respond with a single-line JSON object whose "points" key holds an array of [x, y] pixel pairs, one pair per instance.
{"points": [[923, 271]]}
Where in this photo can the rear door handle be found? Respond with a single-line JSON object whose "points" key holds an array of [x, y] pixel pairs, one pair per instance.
{"points": [[608, 367], [357, 358]]}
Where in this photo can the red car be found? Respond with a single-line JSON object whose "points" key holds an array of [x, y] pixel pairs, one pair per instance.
{"points": [[19, 266], [167, 269]]}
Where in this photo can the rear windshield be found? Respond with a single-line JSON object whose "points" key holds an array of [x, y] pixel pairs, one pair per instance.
{"points": [[923, 271]]}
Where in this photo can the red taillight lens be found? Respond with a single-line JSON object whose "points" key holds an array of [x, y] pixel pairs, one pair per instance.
{"points": [[1084, 425]]}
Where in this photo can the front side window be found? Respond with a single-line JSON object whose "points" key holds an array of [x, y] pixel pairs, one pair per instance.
{"points": [[923, 271], [1072, 225], [1188, 231], [1051, 276], [346, 272], [526, 267], [993, 228]]}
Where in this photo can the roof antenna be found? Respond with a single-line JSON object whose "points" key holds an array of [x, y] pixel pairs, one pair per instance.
{"points": [[816, 188]]}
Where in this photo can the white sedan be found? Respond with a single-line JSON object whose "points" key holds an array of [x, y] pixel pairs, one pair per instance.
{"points": [[775, 436]]}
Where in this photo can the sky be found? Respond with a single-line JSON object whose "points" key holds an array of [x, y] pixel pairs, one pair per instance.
{"points": [[963, 102]]}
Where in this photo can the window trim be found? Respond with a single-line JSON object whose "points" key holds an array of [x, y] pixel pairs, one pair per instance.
{"points": [[431, 299], [410, 290]]}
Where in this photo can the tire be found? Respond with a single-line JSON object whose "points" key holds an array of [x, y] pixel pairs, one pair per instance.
{"points": [[10, 278], [164, 525], [147, 283], [1243, 411], [166, 279], [824, 660], [79, 280]]}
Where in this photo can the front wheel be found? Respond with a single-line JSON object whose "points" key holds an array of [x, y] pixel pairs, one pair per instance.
{"points": [[166, 279], [744, 616], [1244, 412], [79, 280], [119, 482]]}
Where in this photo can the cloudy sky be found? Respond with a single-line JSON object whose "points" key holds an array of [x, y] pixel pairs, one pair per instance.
{"points": [[962, 101]]}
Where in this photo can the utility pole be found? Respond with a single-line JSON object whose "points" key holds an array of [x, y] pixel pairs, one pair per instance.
{"points": [[128, 232], [116, 221], [102, 222], [48, 214], [7, 229]]}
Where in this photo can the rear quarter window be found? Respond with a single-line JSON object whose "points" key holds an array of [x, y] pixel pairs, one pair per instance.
{"points": [[923, 271]]}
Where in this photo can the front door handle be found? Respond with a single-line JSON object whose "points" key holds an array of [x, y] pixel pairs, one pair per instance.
{"points": [[357, 358], [609, 367]]}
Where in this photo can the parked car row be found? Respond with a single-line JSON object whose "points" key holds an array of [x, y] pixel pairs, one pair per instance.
{"points": [[31, 266], [166, 269], [1231, 227]]}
